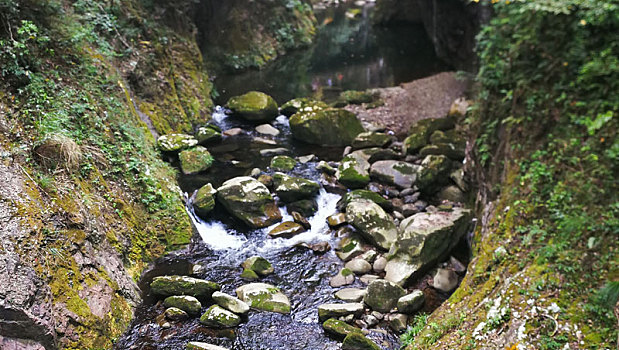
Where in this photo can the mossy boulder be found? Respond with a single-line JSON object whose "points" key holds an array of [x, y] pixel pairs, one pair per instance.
{"points": [[195, 345], [230, 303], [326, 127], [290, 189], [371, 139], [447, 149], [396, 173], [355, 97], [259, 265], [175, 142], [362, 194], [187, 303], [286, 230], [372, 222], [375, 154], [254, 106], [434, 173], [175, 314], [250, 201], [182, 285], [265, 297], [305, 207], [195, 160], [249, 275], [302, 104], [204, 200], [338, 328], [283, 163], [208, 134], [353, 171], [420, 132], [382, 295], [326, 311], [358, 341], [218, 317], [451, 193]]}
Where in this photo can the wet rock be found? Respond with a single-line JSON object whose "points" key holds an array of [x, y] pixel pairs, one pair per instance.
{"points": [[357, 341], [354, 295], [349, 247], [397, 322], [301, 220], [208, 134], [372, 222], [320, 247], [445, 280], [409, 192], [370, 139], [420, 132], [175, 142], [410, 209], [379, 264], [451, 193], [259, 265], [301, 104], [358, 266], [250, 201], [338, 328], [266, 297], [382, 295], [424, 238], [268, 152], [449, 150], [204, 200], [264, 141], [362, 194], [325, 168], [217, 316], [230, 303], [266, 180], [367, 279], [166, 325], [369, 320], [290, 189], [194, 345], [195, 160], [327, 127], [397, 173], [249, 275], [433, 174], [255, 172], [283, 163], [326, 311], [176, 314], [353, 171], [183, 285], [336, 219], [254, 106], [267, 129], [306, 207], [375, 154], [347, 151], [286, 230], [343, 277], [233, 132], [412, 198], [411, 303], [306, 159], [187, 303]]}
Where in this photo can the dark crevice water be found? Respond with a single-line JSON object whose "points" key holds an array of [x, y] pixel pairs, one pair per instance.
{"points": [[348, 54]]}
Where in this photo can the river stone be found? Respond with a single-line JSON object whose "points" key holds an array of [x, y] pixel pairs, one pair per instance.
{"points": [[372, 222], [336, 219], [325, 168], [187, 303], [358, 266], [433, 174], [371, 139], [326, 311], [349, 247], [358, 341], [286, 230], [449, 150], [194, 345], [425, 238], [262, 296], [259, 265], [393, 172], [379, 264], [204, 201], [230, 303], [175, 314], [355, 97], [445, 280], [367, 279], [457, 176], [375, 154], [233, 132], [353, 171], [397, 322], [195, 160], [273, 151], [267, 129], [283, 163], [420, 132], [338, 328], [306, 207], [183, 285], [344, 277], [411, 303], [249, 275], [451, 193], [250, 201], [217, 316], [264, 141], [362, 194], [326, 127], [208, 134], [301, 104], [369, 256], [175, 142], [301, 220], [254, 106], [382, 295], [354, 295], [290, 189]]}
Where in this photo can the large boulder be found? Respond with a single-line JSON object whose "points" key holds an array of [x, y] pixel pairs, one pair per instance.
{"points": [[393, 172], [217, 316], [326, 127], [182, 285], [358, 341], [250, 201], [434, 173], [254, 106], [420, 132], [353, 171], [175, 142], [204, 200], [290, 189], [424, 239], [195, 160], [372, 222], [382, 295], [208, 134], [362, 194], [266, 297], [371, 139], [300, 105]]}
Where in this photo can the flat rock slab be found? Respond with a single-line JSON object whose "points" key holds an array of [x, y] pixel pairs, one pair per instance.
{"points": [[265, 297], [326, 311], [350, 294]]}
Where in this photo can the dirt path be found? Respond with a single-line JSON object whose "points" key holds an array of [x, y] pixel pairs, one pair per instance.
{"points": [[424, 98]]}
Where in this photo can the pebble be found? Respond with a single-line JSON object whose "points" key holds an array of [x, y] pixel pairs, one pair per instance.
{"points": [[306, 159], [233, 132], [370, 320], [273, 151], [379, 264], [358, 266], [267, 129]]}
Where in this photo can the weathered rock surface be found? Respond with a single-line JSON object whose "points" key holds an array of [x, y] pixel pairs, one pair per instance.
{"points": [[175, 142], [254, 106], [326, 311], [286, 230], [290, 189], [362, 194], [350, 294], [358, 341], [267, 129], [204, 200], [217, 316], [194, 345], [349, 247], [175, 314], [358, 266], [183, 285], [302, 104], [259, 265], [250, 201], [397, 173], [353, 171], [445, 280], [371, 139], [433, 174], [230, 303], [382, 295], [411, 303], [372, 222], [327, 127], [283, 163], [265, 297], [208, 134], [187, 303], [195, 160], [338, 328]]}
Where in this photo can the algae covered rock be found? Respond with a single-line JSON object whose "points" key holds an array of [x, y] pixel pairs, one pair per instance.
{"points": [[447, 149], [230, 303], [208, 134], [259, 265], [195, 160], [420, 132], [338, 328], [326, 311], [264, 297], [326, 127], [349, 247], [358, 341], [183, 285], [393, 172], [372, 222], [175, 142], [217, 316], [353, 171], [382, 295], [355, 97], [306, 207], [175, 314], [204, 200], [290, 189], [187, 303], [254, 106], [362, 194], [250, 201], [434, 173], [302, 104], [283, 163], [371, 139]]}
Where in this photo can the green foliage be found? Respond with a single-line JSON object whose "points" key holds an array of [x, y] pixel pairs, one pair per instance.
{"points": [[18, 51], [419, 322]]}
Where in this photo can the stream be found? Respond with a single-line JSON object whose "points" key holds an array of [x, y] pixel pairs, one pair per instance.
{"points": [[348, 54]]}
